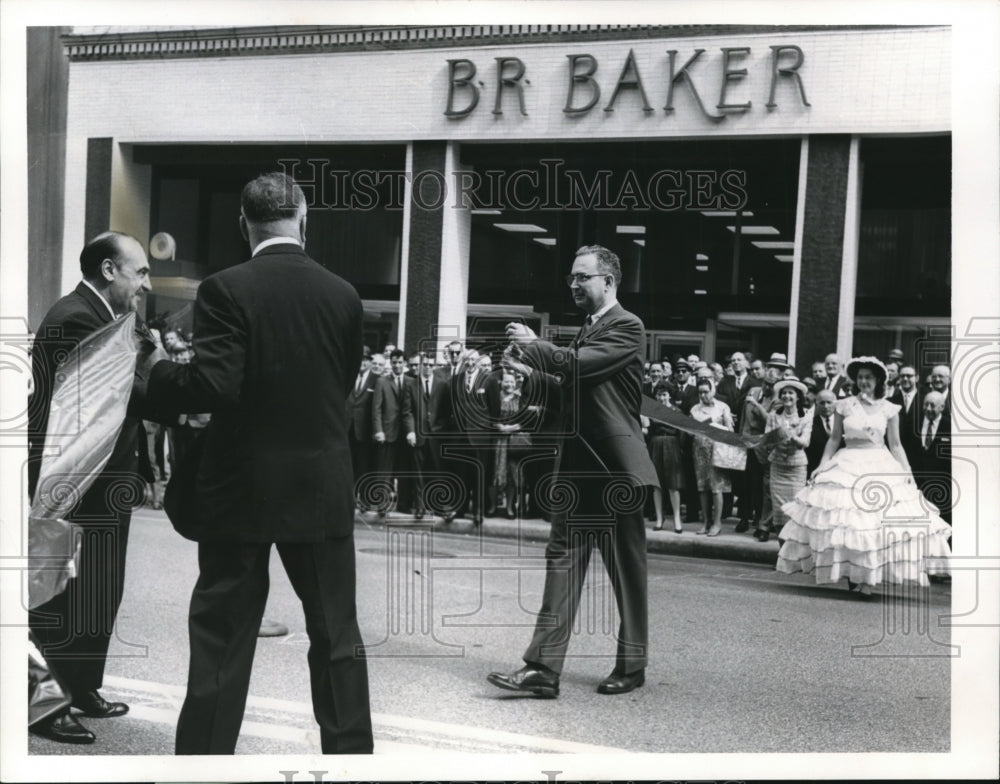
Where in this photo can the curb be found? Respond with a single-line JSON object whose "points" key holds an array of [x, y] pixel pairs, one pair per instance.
{"points": [[728, 545]]}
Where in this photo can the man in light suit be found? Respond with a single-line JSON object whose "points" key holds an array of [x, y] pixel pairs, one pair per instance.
{"points": [[278, 341], [598, 381], [74, 627]]}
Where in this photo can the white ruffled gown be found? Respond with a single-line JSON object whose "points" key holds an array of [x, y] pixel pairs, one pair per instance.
{"points": [[862, 517]]}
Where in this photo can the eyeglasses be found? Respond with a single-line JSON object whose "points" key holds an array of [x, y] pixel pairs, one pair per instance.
{"points": [[580, 278]]}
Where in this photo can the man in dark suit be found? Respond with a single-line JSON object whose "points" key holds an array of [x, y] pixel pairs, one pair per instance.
{"points": [[907, 396], [421, 440], [822, 425], [74, 627], [278, 341], [599, 381], [835, 380], [359, 422], [732, 390], [393, 429], [932, 471]]}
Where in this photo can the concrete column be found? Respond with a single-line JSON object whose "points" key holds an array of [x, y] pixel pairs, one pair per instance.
{"points": [[421, 256], [130, 194], [456, 237], [48, 86], [815, 311], [849, 254]]}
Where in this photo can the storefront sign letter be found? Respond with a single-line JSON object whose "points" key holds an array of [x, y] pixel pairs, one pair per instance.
{"points": [[463, 81], [582, 77], [787, 70]]}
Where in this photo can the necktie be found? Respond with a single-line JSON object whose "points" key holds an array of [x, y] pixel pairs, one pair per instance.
{"points": [[826, 424], [927, 432], [427, 387], [399, 383], [469, 381], [357, 385]]}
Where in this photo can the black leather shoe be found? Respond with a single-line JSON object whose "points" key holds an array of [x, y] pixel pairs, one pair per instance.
{"points": [[418, 515], [269, 628], [530, 679], [617, 683], [477, 520], [94, 705], [64, 729], [447, 517], [742, 526]]}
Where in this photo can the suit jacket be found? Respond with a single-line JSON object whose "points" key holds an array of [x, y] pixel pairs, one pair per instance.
{"points": [[734, 396], [470, 407], [599, 378], [278, 342], [419, 404], [359, 408], [392, 412], [909, 425], [817, 442], [935, 458], [70, 320], [840, 387]]}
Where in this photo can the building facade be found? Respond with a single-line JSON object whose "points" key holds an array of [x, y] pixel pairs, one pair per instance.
{"points": [[767, 188]]}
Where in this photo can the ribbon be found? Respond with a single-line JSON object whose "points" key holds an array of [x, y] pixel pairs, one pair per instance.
{"points": [[656, 411]]}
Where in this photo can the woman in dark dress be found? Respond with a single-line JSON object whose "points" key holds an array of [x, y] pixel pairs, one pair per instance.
{"points": [[664, 444]]}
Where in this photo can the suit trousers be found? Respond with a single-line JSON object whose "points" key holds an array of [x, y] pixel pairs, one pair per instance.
{"points": [[226, 610], [622, 543], [74, 627]]}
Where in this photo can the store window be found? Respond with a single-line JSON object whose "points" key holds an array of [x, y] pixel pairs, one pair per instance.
{"points": [[700, 226], [196, 199], [904, 249]]}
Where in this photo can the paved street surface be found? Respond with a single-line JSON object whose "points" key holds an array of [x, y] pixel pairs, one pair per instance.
{"points": [[742, 659]]}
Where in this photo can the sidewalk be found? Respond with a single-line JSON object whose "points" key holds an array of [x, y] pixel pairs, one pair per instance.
{"points": [[728, 545]]}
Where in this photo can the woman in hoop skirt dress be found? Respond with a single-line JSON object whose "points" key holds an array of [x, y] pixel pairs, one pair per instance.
{"points": [[861, 518]]}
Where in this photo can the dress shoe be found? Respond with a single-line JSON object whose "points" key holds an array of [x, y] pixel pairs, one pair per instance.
{"points": [[447, 517], [714, 531], [269, 628], [94, 705], [762, 535], [530, 679], [742, 526], [64, 729], [622, 683], [418, 515]]}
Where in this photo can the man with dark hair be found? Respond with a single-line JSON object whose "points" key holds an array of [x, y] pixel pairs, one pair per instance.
{"points": [[278, 341], [394, 429], [598, 380], [74, 627], [359, 421]]}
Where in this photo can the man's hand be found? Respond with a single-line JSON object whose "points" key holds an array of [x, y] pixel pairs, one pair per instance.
{"points": [[411, 439], [521, 334], [379, 437]]}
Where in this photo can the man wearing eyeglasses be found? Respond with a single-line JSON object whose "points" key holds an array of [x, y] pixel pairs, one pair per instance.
{"points": [[907, 396], [602, 459]]}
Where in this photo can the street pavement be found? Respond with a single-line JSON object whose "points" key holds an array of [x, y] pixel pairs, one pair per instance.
{"points": [[742, 659]]}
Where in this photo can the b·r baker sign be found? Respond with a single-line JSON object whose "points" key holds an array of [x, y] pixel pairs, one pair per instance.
{"points": [[705, 75]]}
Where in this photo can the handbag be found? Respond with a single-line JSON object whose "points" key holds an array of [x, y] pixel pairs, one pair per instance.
{"points": [[733, 458]]}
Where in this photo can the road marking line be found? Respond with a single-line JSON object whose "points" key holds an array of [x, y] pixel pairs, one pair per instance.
{"points": [[494, 738]]}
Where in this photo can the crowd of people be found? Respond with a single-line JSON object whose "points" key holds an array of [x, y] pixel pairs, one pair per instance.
{"points": [[415, 419], [304, 428]]}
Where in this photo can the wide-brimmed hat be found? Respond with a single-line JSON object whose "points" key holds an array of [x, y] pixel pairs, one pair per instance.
{"points": [[778, 360], [896, 354], [872, 363], [793, 382]]}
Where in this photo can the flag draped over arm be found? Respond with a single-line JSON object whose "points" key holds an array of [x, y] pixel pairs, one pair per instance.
{"points": [[90, 397]]}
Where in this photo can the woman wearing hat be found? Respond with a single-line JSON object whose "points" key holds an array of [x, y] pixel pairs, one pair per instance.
{"points": [[788, 458], [862, 517], [712, 482], [665, 450]]}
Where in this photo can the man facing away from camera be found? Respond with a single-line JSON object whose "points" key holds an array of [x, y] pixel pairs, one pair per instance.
{"points": [[603, 460], [278, 341]]}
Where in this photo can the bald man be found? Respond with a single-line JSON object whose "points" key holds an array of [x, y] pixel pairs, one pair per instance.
{"points": [[822, 425], [932, 472], [74, 628]]}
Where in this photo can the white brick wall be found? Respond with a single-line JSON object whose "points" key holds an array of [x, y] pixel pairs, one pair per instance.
{"points": [[860, 82]]}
